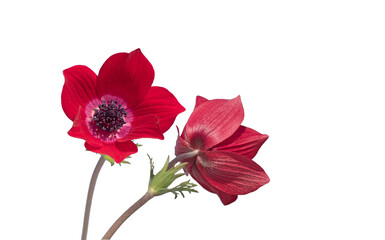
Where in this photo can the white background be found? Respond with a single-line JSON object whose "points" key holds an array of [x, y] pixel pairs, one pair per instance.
{"points": [[310, 74]]}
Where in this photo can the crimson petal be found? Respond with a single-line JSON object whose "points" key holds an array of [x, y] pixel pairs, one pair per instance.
{"points": [[80, 129], [199, 100], [213, 121], [230, 172], [78, 90], [144, 127], [163, 104], [244, 141], [225, 197], [182, 146], [126, 75], [117, 151]]}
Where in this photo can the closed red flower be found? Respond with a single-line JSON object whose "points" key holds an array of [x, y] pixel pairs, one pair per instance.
{"points": [[118, 105], [225, 149]]}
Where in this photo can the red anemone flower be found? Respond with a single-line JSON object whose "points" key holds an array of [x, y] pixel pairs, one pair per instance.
{"points": [[118, 105], [223, 164]]}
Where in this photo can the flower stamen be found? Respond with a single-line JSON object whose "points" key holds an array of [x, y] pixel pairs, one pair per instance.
{"points": [[109, 117]]}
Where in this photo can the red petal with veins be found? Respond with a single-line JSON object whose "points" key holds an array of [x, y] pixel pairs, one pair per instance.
{"points": [[78, 89], [213, 121], [80, 129], [230, 172], [126, 75], [118, 150], [182, 146], [199, 100], [144, 127], [225, 197], [163, 104], [244, 141]]}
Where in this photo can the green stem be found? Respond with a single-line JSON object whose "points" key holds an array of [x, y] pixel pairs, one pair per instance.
{"points": [[91, 189], [146, 197], [183, 156]]}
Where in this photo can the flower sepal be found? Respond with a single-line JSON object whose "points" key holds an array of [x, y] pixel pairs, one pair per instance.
{"points": [[159, 183], [112, 161]]}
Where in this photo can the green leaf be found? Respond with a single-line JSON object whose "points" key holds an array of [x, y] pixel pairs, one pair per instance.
{"points": [[108, 158], [183, 187], [125, 162]]}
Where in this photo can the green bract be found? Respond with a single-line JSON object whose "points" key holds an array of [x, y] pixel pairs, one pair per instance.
{"points": [[111, 160], [160, 182]]}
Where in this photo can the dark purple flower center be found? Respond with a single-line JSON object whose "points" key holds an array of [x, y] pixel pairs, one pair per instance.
{"points": [[109, 117]]}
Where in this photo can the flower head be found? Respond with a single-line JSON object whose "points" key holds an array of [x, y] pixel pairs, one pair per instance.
{"points": [[223, 164], [118, 105]]}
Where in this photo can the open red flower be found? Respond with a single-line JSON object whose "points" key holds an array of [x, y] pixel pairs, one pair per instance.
{"points": [[118, 105], [224, 149]]}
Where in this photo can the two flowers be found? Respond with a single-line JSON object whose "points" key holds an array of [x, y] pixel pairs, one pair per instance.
{"points": [[118, 105]]}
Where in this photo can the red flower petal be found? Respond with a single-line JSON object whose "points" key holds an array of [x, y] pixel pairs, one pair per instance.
{"points": [[199, 100], [230, 172], [163, 104], [244, 141], [80, 129], [78, 89], [126, 75], [213, 121], [144, 127], [182, 146], [225, 197], [118, 150]]}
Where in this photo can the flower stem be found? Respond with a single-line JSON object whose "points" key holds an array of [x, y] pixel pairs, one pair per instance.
{"points": [[91, 189], [182, 157], [146, 197]]}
